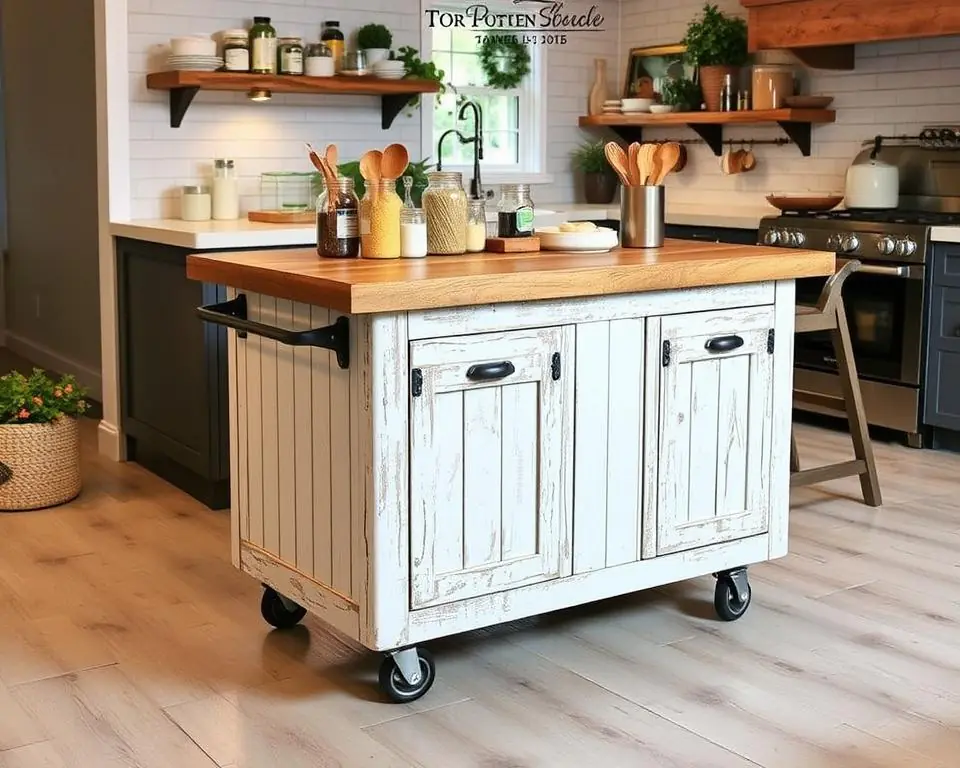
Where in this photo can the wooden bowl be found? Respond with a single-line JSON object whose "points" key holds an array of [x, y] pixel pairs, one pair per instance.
{"points": [[808, 102], [804, 202]]}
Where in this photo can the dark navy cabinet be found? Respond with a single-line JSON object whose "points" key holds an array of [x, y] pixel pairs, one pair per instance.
{"points": [[942, 400]]}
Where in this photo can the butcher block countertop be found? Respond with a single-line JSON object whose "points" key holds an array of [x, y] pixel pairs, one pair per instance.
{"points": [[366, 286]]}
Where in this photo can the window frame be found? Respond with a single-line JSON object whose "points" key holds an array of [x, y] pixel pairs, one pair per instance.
{"points": [[532, 143]]}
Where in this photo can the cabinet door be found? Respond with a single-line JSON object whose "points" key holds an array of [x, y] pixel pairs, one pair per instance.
{"points": [[491, 448], [714, 411]]}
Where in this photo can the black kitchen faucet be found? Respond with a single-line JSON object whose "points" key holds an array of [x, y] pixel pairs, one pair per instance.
{"points": [[476, 186]]}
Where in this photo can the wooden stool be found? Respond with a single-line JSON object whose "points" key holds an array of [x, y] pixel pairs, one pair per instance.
{"points": [[830, 315]]}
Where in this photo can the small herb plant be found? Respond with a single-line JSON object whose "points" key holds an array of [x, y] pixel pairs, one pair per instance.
{"points": [[374, 36], [681, 92], [590, 158], [418, 69], [716, 39], [39, 399]]}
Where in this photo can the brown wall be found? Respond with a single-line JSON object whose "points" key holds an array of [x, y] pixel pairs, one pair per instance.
{"points": [[49, 99]]}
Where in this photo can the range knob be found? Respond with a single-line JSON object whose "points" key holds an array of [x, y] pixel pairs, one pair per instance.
{"points": [[833, 242], [906, 247], [850, 243], [886, 245], [772, 237], [799, 238]]}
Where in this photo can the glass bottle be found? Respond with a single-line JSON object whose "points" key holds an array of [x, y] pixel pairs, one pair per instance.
{"points": [[263, 44], [515, 211], [380, 220], [476, 226], [445, 205], [290, 56], [226, 190], [334, 40], [338, 226], [413, 226], [728, 95], [236, 50]]}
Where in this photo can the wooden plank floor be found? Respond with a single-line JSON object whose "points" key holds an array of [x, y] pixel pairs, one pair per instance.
{"points": [[127, 639]]}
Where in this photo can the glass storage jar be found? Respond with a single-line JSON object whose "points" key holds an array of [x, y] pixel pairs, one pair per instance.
{"points": [[445, 205], [338, 226], [772, 83], [196, 203], [263, 46], [319, 61], [380, 220], [236, 50], [290, 56], [515, 212], [287, 191], [477, 226]]}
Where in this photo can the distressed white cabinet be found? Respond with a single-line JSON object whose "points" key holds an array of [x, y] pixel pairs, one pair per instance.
{"points": [[490, 438], [711, 448]]}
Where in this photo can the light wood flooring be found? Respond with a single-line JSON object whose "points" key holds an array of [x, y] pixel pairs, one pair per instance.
{"points": [[127, 639]]}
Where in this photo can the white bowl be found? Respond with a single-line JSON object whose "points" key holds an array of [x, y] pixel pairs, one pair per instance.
{"points": [[661, 109], [600, 240], [389, 64], [193, 46], [637, 105]]}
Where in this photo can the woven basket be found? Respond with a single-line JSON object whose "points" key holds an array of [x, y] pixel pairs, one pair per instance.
{"points": [[39, 464]]}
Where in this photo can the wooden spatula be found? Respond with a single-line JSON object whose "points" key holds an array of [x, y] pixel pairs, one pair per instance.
{"points": [[633, 164], [669, 156], [618, 160], [645, 162]]}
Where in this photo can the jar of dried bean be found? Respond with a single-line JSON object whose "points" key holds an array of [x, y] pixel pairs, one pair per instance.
{"points": [[445, 204], [338, 232], [380, 220]]}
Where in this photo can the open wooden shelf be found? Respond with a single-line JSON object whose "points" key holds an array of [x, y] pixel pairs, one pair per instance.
{"points": [[796, 123], [185, 84]]}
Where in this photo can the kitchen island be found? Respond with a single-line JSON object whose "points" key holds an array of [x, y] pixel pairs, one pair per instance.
{"points": [[424, 447]]}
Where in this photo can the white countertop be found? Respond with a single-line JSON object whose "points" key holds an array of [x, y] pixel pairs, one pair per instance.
{"points": [[945, 234], [218, 235]]}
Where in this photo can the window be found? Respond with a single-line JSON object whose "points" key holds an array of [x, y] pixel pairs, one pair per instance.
{"points": [[513, 120]]}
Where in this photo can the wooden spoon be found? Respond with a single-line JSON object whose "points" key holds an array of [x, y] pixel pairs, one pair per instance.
{"points": [[669, 158], [395, 161], [633, 164], [329, 178], [617, 159], [655, 163], [332, 156], [370, 164], [645, 161]]}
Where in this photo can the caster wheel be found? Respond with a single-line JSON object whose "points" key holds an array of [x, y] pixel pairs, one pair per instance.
{"points": [[727, 601], [393, 683], [279, 612]]}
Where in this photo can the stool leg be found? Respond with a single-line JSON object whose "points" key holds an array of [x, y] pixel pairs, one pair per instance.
{"points": [[856, 416], [794, 453]]}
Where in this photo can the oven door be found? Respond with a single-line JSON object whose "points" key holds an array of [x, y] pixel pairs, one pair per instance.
{"points": [[884, 304]]}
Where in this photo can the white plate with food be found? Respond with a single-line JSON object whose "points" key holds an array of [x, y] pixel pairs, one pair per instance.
{"points": [[579, 237]]}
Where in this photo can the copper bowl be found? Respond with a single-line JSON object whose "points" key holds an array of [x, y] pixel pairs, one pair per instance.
{"points": [[804, 202]]}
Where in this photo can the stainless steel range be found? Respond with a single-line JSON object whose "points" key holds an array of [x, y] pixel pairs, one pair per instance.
{"points": [[887, 300]]}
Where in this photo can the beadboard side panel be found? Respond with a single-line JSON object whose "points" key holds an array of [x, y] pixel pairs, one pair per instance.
{"points": [[609, 437], [293, 424]]}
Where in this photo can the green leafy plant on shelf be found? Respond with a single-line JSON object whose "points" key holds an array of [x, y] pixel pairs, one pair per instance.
{"points": [[716, 39], [418, 69], [589, 157], [374, 36], [682, 93], [39, 399]]}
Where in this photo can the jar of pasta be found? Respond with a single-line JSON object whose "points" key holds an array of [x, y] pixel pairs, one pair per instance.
{"points": [[445, 205], [380, 220]]}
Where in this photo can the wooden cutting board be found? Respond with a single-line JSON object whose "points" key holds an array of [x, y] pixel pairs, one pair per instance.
{"points": [[513, 244], [283, 217]]}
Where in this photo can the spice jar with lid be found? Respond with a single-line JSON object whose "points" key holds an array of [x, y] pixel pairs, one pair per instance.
{"points": [[236, 50], [196, 203], [445, 204], [515, 212], [380, 220], [476, 226], [263, 46], [290, 56], [318, 61], [338, 225]]}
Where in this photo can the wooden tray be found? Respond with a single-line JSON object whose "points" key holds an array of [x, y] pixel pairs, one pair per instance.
{"points": [[513, 244], [282, 217], [805, 202]]}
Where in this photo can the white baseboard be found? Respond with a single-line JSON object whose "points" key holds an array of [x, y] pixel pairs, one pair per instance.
{"points": [[110, 442], [47, 358]]}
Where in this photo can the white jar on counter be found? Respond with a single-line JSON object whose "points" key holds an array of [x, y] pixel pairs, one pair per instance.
{"points": [[226, 190], [413, 233], [195, 203]]}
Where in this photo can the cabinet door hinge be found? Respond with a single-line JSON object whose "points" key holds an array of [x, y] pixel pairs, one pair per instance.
{"points": [[555, 366], [666, 354], [416, 382], [771, 341]]}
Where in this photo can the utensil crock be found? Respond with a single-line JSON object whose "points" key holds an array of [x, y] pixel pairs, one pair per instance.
{"points": [[642, 216]]}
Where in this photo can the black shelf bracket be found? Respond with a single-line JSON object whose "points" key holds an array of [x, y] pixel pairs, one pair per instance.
{"points": [[233, 314], [391, 105], [180, 101], [711, 134], [628, 133], [799, 134]]}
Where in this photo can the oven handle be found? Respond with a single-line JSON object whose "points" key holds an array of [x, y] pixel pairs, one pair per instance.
{"points": [[903, 271]]}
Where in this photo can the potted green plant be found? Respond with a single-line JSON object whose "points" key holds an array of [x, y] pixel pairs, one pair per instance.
{"points": [[717, 44], [39, 440], [681, 93], [599, 180], [375, 40]]}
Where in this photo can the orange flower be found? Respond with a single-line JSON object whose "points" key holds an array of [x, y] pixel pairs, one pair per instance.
{"points": [[38, 400], [58, 392], [68, 389], [24, 414]]}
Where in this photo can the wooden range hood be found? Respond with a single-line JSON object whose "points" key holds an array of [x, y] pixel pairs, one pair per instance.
{"points": [[825, 31]]}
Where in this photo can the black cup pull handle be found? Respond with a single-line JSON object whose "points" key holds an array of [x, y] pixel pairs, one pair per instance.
{"points": [[491, 371], [724, 343]]}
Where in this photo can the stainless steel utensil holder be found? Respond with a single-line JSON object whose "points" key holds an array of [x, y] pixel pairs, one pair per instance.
{"points": [[642, 211]]}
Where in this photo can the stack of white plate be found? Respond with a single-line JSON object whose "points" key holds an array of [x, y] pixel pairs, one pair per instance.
{"points": [[389, 69], [197, 63], [612, 107]]}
